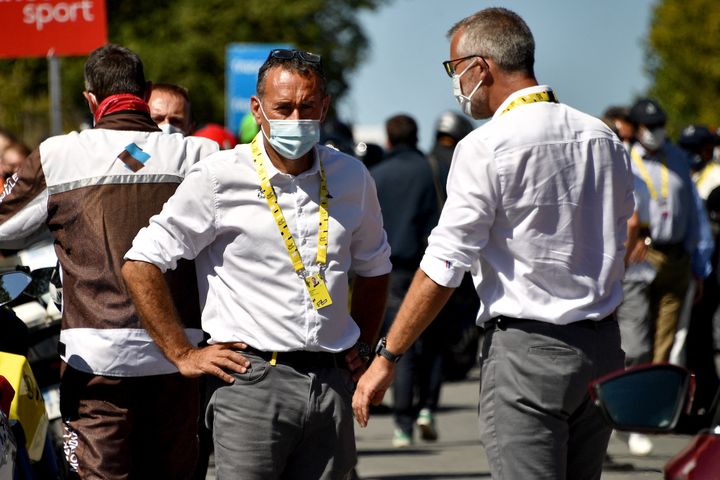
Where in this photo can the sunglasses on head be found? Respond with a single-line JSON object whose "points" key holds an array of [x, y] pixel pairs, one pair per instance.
{"points": [[284, 54]]}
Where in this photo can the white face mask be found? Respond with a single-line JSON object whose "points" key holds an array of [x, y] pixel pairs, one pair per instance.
{"points": [[651, 139], [292, 138], [168, 128], [463, 100]]}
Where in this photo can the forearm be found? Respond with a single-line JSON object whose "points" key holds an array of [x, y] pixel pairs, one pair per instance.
{"points": [[149, 291], [368, 305], [422, 303]]}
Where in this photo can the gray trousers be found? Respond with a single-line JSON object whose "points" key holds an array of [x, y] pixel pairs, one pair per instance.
{"points": [[537, 420], [276, 422], [636, 329]]}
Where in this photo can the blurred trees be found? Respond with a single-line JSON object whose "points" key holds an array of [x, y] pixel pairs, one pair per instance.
{"points": [[183, 42], [683, 58]]}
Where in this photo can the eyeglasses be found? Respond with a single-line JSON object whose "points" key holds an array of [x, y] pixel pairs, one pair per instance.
{"points": [[450, 64], [284, 54]]}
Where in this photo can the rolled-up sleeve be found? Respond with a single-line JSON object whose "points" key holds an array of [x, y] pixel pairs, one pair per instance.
{"points": [[469, 212], [184, 227], [369, 248]]}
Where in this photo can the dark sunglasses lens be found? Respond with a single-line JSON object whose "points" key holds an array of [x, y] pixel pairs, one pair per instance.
{"points": [[282, 54], [449, 68], [310, 57]]}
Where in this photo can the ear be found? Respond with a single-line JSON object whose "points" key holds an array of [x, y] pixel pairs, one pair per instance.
{"points": [[486, 69], [255, 109], [91, 101]]}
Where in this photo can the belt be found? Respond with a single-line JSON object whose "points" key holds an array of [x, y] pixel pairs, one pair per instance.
{"points": [[301, 359], [669, 248], [502, 322]]}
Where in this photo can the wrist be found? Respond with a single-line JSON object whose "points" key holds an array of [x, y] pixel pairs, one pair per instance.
{"points": [[382, 351]]}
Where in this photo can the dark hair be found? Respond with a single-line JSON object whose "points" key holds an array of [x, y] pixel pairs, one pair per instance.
{"points": [[295, 64], [499, 34], [113, 69], [172, 89], [401, 130]]}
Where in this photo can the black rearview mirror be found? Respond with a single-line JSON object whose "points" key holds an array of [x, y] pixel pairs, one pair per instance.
{"points": [[648, 398]]}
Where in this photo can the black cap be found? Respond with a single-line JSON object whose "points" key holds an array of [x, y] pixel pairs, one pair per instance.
{"points": [[648, 112], [695, 137]]}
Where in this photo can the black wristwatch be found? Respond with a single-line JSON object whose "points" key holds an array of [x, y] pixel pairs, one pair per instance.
{"points": [[364, 350], [381, 351]]}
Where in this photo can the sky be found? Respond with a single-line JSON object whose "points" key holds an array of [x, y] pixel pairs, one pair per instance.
{"points": [[590, 51]]}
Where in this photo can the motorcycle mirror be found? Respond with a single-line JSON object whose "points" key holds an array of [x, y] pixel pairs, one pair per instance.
{"points": [[40, 283], [12, 285], [647, 398]]}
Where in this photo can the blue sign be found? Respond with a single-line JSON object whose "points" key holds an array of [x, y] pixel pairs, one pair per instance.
{"points": [[242, 62]]}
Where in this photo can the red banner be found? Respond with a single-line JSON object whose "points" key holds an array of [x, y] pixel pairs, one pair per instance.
{"points": [[32, 28]]}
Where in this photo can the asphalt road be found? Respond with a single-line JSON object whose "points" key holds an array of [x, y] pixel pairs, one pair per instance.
{"points": [[458, 455]]}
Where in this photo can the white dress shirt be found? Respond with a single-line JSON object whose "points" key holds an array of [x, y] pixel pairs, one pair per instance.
{"points": [[537, 206], [249, 291]]}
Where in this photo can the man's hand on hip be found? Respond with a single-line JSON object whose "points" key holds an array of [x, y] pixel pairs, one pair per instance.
{"points": [[216, 359], [371, 388]]}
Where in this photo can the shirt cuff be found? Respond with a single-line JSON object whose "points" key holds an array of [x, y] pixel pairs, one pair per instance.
{"points": [[136, 255], [442, 272]]}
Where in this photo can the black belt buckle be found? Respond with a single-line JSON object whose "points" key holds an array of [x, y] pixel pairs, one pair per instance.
{"points": [[496, 322]]}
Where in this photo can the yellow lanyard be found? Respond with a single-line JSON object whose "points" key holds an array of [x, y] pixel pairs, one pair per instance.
{"points": [[314, 282], [664, 176], [704, 173], [545, 96]]}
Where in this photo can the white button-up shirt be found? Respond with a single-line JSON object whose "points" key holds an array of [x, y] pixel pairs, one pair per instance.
{"points": [[537, 206], [248, 289]]}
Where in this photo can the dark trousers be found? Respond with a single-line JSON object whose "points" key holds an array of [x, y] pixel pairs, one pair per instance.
{"points": [[129, 427], [419, 374]]}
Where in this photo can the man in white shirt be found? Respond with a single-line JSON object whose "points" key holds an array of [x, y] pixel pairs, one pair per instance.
{"points": [[537, 208], [274, 227]]}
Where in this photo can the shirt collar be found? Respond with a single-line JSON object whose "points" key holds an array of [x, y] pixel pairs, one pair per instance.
{"points": [[518, 94], [273, 171]]}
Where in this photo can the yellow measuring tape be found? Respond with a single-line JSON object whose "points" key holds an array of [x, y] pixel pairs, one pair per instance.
{"points": [[546, 96], [314, 282], [664, 176]]}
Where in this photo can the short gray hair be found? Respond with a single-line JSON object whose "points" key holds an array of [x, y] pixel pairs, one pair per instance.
{"points": [[499, 34]]}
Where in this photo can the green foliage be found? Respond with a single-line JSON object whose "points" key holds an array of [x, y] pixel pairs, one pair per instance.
{"points": [[683, 57], [183, 42]]}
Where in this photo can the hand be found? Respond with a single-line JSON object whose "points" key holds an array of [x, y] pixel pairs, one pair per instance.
{"points": [[638, 252], [215, 360], [371, 388], [355, 363]]}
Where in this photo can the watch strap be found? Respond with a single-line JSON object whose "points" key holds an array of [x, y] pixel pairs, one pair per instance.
{"points": [[381, 351]]}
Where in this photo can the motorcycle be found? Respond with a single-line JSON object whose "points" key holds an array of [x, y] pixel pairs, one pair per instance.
{"points": [[26, 446]]}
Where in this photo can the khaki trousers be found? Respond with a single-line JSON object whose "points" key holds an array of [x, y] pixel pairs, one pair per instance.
{"points": [[667, 294]]}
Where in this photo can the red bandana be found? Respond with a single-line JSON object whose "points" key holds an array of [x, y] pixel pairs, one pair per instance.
{"points": [[117, 103]]}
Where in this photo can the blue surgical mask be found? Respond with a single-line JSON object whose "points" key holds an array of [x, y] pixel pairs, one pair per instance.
{"points": [[292, 138], [464, 100]]}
